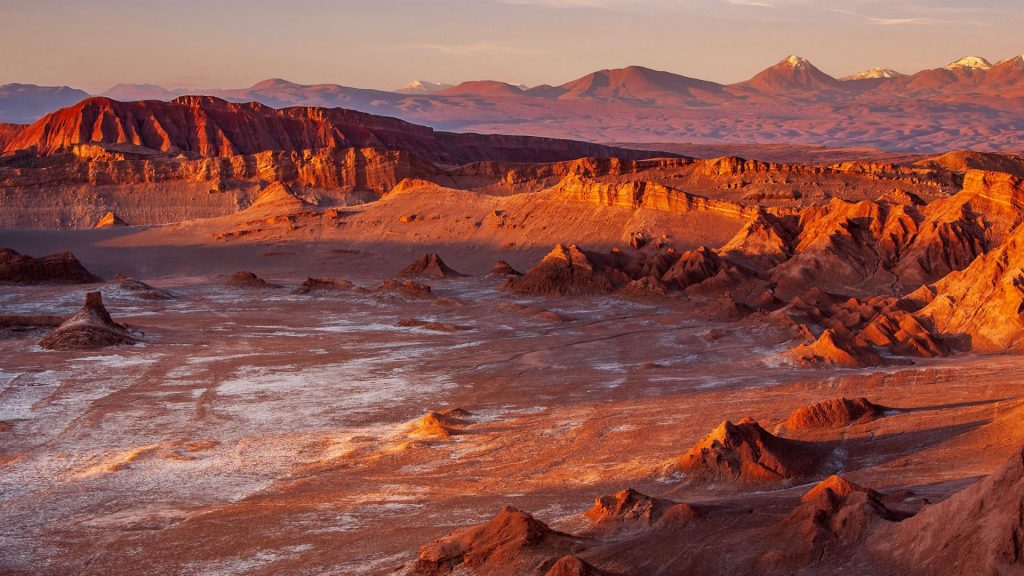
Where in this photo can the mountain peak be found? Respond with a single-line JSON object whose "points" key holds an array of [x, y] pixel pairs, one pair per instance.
{"points": [[482, 88], [422, 87], [972, 62], [272, 83], [796, 61], [875, 74], [792, 74], [1016, 60]]}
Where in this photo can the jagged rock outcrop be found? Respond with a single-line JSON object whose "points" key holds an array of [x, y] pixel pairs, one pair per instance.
{"points": [[834, 413], [982, 305], [276, 199], [63, 268], [440, 424], [110, 220], [747, 453], [631, 508], [693, 267], [765, 240], [90, 328], [430, 264], [140, 289], [503, 269], [513, 542], [856, 330], [903, 334], [326, 285], [843, 246], [567, 271], [832, 350], [832, 519], [873, 247]]}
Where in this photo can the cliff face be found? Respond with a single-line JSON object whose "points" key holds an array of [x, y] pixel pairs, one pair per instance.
{"points": [[209, 127], [8, 132], [194, 157], [336, 168], [651, 195]]}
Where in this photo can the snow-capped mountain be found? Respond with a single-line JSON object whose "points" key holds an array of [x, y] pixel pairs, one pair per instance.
{"points": [[875, 74], [422, 87], [972, 62]]}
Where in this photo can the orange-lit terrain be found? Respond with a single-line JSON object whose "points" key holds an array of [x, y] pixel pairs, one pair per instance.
{"points": [[321, 341]]}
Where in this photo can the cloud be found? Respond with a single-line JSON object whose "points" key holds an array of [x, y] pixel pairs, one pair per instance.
{"points": [[897, 20], [903, 21], [756, 3]]}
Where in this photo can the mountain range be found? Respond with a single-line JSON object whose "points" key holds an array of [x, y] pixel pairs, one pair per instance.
{"points": [[969, 103]]}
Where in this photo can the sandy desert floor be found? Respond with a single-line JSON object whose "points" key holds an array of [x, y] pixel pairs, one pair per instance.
{"points": [[260, 432]]}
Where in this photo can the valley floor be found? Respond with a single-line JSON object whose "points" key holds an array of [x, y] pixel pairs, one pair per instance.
{"points": [[260, 432]]}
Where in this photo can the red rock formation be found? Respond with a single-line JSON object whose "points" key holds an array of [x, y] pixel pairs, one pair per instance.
{"points": [[110, 220], [430, 264], [208, 126], [832, 519], [513, 542], [326, 285], [566, 271], [248, 281], [765, 238], [643, 288], [903, 334], [8, 132], [438, 424], [277, 199], [979, 530], [90, 328], [832, 350], [747, 453], [631, 508], [982, 304], [140, 289], [693, 267], [877, 247], [406, 287], [61, 268], [503, 269], [965, 160], [643, 194], [834, 414]]}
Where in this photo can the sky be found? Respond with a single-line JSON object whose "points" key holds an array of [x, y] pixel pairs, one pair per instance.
{"points": [[384, 44]]}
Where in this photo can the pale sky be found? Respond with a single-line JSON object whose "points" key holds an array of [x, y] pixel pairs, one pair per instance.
{"points": [[93, 44]]}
